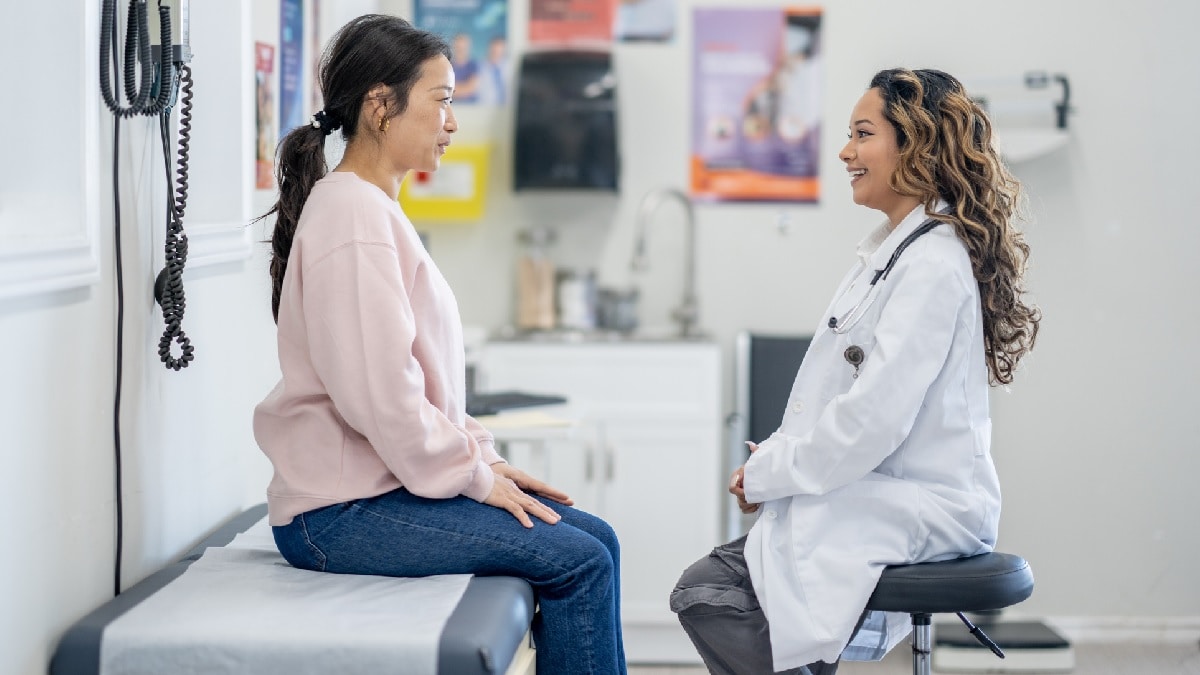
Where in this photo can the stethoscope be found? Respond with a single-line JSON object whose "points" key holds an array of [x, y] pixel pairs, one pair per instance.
{"points": [[854, 354]]}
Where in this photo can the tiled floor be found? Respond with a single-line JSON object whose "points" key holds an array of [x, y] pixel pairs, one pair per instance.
{"points": [[1133, 659]]}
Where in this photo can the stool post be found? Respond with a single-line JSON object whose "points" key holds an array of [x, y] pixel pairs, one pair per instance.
{"points": [[922, 643]]}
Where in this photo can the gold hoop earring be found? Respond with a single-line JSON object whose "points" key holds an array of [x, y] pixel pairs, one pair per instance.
{"points": [[384, 123]]}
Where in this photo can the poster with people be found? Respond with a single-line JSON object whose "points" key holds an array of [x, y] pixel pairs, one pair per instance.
{"points": [[478, 34], [759, 82], [264, 116]]}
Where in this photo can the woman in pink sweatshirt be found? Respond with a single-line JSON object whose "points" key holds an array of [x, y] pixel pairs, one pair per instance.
{"points": [[377, 467]]}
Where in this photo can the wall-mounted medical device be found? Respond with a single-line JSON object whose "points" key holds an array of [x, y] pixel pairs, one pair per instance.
{"points": [[151, 77], [566, 122], [1033, 81], [1029, 112], [154, 72]]}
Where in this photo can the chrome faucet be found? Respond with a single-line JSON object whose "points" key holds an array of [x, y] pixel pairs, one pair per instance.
{"points": [[687, 314]]}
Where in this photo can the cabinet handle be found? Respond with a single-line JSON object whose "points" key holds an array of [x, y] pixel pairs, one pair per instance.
{"points": [[589, 465], [609, 464]]}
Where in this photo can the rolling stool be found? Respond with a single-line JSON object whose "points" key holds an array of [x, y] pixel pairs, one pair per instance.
{"points": [[989, 581]]}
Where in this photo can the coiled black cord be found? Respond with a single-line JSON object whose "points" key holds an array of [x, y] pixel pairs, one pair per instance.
{"points": [[168, 286], [137, 51]]}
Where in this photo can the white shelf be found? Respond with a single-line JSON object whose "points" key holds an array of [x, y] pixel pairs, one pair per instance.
{"points": [[1019, 145]]}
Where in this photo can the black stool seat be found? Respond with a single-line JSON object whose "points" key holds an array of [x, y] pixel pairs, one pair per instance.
{"points": [[983, 582]]}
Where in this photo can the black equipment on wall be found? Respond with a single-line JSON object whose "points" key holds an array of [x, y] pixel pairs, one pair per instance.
{"points": [[154, 94], [162, 68], [566, 126]]}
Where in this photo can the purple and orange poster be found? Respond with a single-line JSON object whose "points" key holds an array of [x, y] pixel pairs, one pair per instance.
{"points": [[758, 79]]}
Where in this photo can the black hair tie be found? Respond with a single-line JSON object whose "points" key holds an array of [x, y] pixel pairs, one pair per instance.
{"points": [[326, 122]]}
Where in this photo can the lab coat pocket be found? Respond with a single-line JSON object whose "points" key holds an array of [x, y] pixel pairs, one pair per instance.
{"points": [[982, 433], [842, 540]]}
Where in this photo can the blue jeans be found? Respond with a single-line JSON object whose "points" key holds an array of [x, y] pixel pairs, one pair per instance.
{"points": [[573, 566]]}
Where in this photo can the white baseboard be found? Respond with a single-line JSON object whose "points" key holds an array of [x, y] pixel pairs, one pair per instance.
{"points": [[1122, 629], [659, 644], [972, 660]]}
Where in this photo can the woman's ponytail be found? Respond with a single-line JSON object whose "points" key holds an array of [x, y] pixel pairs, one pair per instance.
{"points": [[370, 50], [301, 163]]}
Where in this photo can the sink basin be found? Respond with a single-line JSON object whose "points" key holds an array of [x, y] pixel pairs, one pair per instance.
{"points": [[566, 336]]}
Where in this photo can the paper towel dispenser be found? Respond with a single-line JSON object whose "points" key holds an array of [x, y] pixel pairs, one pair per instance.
{"points": [[566, 126]]}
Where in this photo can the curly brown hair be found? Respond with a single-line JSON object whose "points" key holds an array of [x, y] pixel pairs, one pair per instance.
{"points": [[946, 153]]}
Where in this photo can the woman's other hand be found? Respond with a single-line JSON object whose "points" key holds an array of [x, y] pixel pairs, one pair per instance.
{"points": [[736, 487], [531, 484], [506, 495]]}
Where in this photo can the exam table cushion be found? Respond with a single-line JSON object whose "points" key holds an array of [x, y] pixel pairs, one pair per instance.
{"points": [[481, 634]]}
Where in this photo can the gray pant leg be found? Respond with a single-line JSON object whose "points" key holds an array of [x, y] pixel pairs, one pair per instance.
{"points": [[717, 607]]}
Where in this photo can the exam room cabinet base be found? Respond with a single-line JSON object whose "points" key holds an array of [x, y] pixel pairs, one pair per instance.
{"points": [[646, 456]]}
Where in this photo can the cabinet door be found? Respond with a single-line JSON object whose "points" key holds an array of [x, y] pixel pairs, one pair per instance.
{"points": [[661, 496], [570, 465]]}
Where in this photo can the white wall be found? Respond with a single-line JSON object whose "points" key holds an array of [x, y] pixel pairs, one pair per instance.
{"points": [[189, 458], [1095, 441]]}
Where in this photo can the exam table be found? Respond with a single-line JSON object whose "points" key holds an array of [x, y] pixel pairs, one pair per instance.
{"points": [[487, 631]]}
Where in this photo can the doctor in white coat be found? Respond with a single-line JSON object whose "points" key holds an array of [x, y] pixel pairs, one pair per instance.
{"points": [[883, 454]]}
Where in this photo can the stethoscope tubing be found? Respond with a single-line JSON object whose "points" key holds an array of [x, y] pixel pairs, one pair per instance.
{"points": [[852, 317]]}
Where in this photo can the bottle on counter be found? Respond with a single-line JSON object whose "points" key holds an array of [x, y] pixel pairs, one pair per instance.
{"points": [[535, 281], [576, 299]]}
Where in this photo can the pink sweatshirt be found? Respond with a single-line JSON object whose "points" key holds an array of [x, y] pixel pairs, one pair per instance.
{"points": [[371, 354]]}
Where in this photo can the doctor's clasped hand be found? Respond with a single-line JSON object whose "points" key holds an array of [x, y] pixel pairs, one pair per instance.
{"points": [[737, 487]]}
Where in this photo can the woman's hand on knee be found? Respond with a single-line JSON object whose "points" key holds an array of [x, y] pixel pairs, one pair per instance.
{"points": [[531, 484], [506, 495]]}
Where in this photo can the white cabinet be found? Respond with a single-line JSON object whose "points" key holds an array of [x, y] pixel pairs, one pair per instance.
{"points": [[646, 457]]}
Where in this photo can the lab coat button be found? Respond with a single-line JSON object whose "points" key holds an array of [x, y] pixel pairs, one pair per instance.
{"points": [[798, 407], [770, 515]]}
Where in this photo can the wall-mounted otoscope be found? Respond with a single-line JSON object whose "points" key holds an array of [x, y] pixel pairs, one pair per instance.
{"points": [[155, 70]]}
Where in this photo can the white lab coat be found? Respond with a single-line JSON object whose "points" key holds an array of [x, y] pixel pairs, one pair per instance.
{"points": [[892, 466]]}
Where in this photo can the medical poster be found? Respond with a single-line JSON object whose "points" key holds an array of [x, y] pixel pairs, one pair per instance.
{"points": [[314, 56], [758, 84], [291, 65], [562, 23], [453, 193], [477, 31], [264, 116], [645, 20]]}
